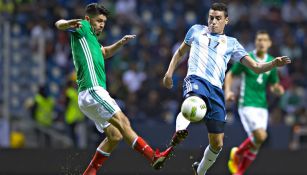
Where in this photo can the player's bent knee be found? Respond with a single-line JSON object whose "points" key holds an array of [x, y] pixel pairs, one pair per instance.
{"points": [[125, 121], [216, 145], [116, 138], [261, 137], [121, 122]]}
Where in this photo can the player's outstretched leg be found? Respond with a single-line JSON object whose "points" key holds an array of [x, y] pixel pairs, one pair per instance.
{"points": [[121, 122], [104, 150], [211, 153], [180, 134], [237, 155]]}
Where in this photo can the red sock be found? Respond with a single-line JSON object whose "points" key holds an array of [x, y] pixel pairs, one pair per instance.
{"points": [[97, 161], [142, 147], [246, 145], [247, 160]]}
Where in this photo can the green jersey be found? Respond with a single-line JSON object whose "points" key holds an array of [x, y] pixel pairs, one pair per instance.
{"points": [[88, 58], [253, 86]]}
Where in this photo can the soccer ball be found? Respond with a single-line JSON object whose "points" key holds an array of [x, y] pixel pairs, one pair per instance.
{"points": [[194, 108]]}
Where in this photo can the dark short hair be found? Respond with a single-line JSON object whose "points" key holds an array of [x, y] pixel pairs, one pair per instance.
{"points": [[260, 32], [219, 6], [94, 9]]}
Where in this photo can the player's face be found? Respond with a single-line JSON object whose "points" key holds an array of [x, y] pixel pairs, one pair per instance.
{"points": [[217, 21], [98, 22], [263, 42]]}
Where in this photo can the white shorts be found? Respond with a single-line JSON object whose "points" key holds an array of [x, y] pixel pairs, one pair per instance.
{"points": [[253, 118], [97, 104]]}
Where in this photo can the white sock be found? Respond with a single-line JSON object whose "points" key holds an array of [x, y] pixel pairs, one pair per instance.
{"points": [[103, 153], [208, 160], [181, 122], [134, 142]]}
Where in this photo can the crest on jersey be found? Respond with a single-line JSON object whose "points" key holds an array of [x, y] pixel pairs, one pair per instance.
{"points": [[223, 41], [195, 86]]}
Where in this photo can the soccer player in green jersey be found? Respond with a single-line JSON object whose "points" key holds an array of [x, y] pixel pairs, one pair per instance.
{"points": [[93, 99], [252, 103]]}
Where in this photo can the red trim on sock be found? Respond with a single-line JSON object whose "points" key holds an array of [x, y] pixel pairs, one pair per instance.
{"points": [[142, 147], [246, 145], [96, 163]]}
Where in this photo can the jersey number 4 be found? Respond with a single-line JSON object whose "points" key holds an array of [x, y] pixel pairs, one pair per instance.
{"points": [[260, 79]]}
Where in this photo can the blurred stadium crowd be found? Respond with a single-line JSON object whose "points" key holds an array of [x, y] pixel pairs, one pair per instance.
{"points": [[41, 61]]}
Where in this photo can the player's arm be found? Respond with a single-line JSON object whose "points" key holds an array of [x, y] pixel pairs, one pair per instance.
{"points": [[229, 95], [235, 70], [63, 24], [183, 49], [109, 51], [277, 89], [264, 67], [275, 86]]}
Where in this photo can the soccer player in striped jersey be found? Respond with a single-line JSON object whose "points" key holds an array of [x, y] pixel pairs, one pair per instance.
{"points": [[209, 52], [252, 103], [94, 100]]}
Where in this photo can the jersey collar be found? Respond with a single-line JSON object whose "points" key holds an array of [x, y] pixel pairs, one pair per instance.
{"points": [[266, 56]]}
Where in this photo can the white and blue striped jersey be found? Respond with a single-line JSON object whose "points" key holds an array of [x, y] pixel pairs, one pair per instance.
{"points": [[210, 53]]}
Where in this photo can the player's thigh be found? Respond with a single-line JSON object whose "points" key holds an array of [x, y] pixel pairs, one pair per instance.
{"points": [[253, 118], [215, 118], [120, 121], [97, 104]]}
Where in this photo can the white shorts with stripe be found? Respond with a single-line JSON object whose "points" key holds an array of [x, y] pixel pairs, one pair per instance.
{"points": [[98, 105], [253, 118]]}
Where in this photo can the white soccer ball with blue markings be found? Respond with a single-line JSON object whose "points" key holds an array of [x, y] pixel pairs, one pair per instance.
{"points": [[194, 108]]}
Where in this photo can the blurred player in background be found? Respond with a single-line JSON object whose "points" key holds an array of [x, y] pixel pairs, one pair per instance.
{"points": [[94, 101], [210, 50], [252, 103]]}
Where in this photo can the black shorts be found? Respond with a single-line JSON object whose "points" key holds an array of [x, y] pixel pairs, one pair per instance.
{"points": [[215, 126]]}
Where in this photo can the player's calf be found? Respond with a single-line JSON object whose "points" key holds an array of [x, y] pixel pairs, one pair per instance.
{"points": [[216, 141], [121, 122]]}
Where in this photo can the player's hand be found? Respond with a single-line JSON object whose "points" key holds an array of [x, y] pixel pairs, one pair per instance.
{"points": [[281, 61], [230, 96], [126, 39], [277, 89], [74, 23], [168, 81]]}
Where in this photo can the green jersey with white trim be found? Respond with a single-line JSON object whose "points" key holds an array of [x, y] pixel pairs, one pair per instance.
{"points": [[88, 58], [253, 86]]}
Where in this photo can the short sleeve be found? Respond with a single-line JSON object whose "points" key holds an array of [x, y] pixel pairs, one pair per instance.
{"points": [[189, 36], [273, 78], [237, 68], [82, 30], [238, 51]]}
